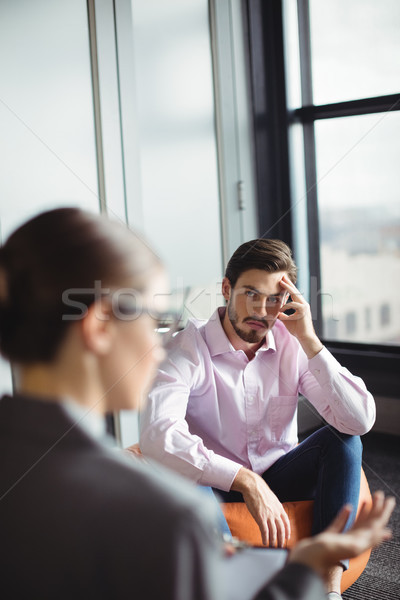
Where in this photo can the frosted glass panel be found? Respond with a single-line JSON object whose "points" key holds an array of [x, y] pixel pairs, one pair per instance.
{"points": [[47, 144], [177, 146]]}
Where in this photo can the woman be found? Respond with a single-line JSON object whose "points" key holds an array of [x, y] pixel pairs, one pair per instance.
{"points": [[79, 301]]}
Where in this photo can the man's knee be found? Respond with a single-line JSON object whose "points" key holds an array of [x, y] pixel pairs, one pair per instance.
{"points": [[345, 447]]}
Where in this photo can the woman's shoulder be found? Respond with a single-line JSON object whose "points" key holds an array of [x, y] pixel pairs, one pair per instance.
{"points": [[150, 492]]}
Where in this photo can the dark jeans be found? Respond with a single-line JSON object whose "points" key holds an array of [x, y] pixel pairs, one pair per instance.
{"points": [[325, 468]]}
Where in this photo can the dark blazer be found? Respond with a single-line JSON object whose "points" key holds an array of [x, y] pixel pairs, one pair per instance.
{"points": [[78, 520]]}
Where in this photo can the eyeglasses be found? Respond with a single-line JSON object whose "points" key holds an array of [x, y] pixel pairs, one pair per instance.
{"points": [[126, 304], [166, 323]]}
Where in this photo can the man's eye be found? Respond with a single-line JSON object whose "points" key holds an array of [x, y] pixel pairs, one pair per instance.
{"points": [[274, 299], [250, 294]]}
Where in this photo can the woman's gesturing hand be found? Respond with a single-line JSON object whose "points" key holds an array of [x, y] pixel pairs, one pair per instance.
{"points": [[328, 548]]}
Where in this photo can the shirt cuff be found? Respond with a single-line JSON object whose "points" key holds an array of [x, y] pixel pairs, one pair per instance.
{"points": [[322, 365], [220, 472]]}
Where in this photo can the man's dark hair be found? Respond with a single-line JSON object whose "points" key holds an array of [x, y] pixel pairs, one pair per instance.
{"points": [[265, 254]]}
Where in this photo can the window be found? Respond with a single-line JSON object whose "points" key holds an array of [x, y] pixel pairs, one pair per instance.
{"points": [[351, 150], [47, 143], [385, 315], [368, 319], [185, 129], [185, 133], [351, 323], [331, 327], [47, 146], [177, 144], [325, 84], [354, 49], [347, 101]]}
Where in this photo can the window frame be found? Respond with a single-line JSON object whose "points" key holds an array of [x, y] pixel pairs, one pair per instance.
{"points": [[378, 364], [113, 34]]}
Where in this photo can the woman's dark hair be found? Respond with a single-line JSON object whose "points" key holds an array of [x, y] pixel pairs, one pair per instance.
{"points": [[57, 251], [265, 254]]}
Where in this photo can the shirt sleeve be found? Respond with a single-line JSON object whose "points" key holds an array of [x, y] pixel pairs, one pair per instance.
{"points": [[164, 431], [341, 398]]}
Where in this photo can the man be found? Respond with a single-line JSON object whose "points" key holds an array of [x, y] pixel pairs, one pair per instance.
{"points": [[223, 408]]}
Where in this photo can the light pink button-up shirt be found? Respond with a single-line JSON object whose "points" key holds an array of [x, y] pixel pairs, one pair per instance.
{"points": [[212, 410]]}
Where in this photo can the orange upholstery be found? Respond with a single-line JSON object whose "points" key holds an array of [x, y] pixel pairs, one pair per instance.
{"points": [[243, 526]]}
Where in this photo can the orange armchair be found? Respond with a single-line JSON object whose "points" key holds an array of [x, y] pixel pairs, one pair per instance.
{"points": [[243, 526]]}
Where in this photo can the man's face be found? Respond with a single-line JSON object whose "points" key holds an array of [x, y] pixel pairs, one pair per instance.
{"points": [[254, 303]]}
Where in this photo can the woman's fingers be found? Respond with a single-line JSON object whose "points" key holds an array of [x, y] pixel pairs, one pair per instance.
{"points": [[378, 501], [339, 522], [329, 547], [386, 511]]}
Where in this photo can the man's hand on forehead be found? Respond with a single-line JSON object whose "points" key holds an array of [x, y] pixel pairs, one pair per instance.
{"points": [[288, 285], [299, 322]]}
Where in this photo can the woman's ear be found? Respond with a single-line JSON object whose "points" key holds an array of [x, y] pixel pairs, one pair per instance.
{"points": [[226, 288], [98, 327]]}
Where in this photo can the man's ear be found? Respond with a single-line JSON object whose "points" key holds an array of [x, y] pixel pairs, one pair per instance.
{"points": [[226, 288], [97, 328]]}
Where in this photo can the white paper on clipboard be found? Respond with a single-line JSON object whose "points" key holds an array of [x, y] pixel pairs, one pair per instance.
{"points": [[246, 572]]}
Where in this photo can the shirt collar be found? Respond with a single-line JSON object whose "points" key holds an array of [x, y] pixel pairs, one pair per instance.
{"points": [[91, 422], [217, 340]]}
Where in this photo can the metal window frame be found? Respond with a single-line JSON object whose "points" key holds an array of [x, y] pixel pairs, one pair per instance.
{"points": [[268, 90], [232, 125]]}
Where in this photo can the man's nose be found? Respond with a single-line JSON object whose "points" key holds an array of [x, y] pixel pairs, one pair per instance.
{"points": [[265, 308], [261, 308]]}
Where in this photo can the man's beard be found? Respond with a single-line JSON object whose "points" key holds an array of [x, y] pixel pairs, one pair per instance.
{"points": [[252, 336]]}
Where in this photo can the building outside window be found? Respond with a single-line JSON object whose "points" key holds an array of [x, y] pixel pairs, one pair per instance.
{"points": [[368, 320], [351, 323], [385, 315]]}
